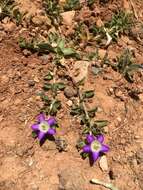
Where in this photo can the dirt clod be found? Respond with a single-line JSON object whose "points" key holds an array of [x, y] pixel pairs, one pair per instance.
{"points": [[70, 92], [71, 179], [139, 157]]}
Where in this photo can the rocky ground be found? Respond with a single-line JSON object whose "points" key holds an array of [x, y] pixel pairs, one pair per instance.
{"points": [[24, 165]]}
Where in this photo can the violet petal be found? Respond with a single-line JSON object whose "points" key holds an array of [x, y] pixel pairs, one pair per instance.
{"points": [[41, 136], [35, 127], [95, 156], [100, 138], [86, 149], [51, 131], [41, 117], [51, 121], [104, 148], [90, 138]]}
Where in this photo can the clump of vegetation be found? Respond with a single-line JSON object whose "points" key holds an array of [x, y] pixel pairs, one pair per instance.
{"points": [[6, 7], [120, 23], [126, 66], [54, 44], [53, 10], [51, 105], [87, 117], [72, 5], [90, 3]]}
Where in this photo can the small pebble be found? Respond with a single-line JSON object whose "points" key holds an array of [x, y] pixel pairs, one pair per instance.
{"points": [[70, 92], [31, 83]]}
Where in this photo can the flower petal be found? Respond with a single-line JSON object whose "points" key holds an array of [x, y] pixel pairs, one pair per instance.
{"points": [[86, 149], [95, 156], [104, 148], [41, 117], [41, 136], [51, 121], [100, 138], [51, 131], [90, 138], [35, 127]]}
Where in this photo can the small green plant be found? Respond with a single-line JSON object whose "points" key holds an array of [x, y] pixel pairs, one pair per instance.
{"points": [[87, 116], [90, 2], [52, 9], [6, 7], [17, 15], [54, 44], [52, 104], [126, 65], [120, 23], [72, 5]]}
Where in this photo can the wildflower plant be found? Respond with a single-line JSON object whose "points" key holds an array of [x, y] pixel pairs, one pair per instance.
{"points": [[87, 117], [126, 66], [94, 147]]}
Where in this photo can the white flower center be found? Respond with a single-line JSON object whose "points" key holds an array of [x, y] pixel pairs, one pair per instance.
{"points": [[44, 127], [95, 146]]}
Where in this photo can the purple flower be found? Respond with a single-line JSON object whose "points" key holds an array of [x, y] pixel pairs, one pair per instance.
{"points": [[44, 127], [95, 147]]}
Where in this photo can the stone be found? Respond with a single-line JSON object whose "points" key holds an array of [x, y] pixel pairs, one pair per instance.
{"points": [[31, 83], [9, 185], [26, 52], [102, 53], [68, 17], [80, 70], [70, 92], [71, 178], [40, 20], [139, 157], [99, 22], [103, 163], [69, 103], [9, 27]]}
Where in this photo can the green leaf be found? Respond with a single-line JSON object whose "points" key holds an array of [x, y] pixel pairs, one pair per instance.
{"points": [[34, 135], [101, 123], [92, 112], [88, 94], [47, 86], [45, 98], [90, 2], [61, 44], [72, 5], [68, 51], [76, 111], [27, 45], [84, 120], [22, 42], [80, 144], [49, 76], [18, 16], [59, 86], [45, 47], [134, 67], [84, 155], [85, 130], [55, 107]]}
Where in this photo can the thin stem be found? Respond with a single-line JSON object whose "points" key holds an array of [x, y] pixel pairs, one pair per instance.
{"points": [[85, 108]]}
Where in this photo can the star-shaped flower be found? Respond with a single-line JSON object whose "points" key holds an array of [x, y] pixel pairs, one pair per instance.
{"points": [[95, 146], [43, 127]]}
